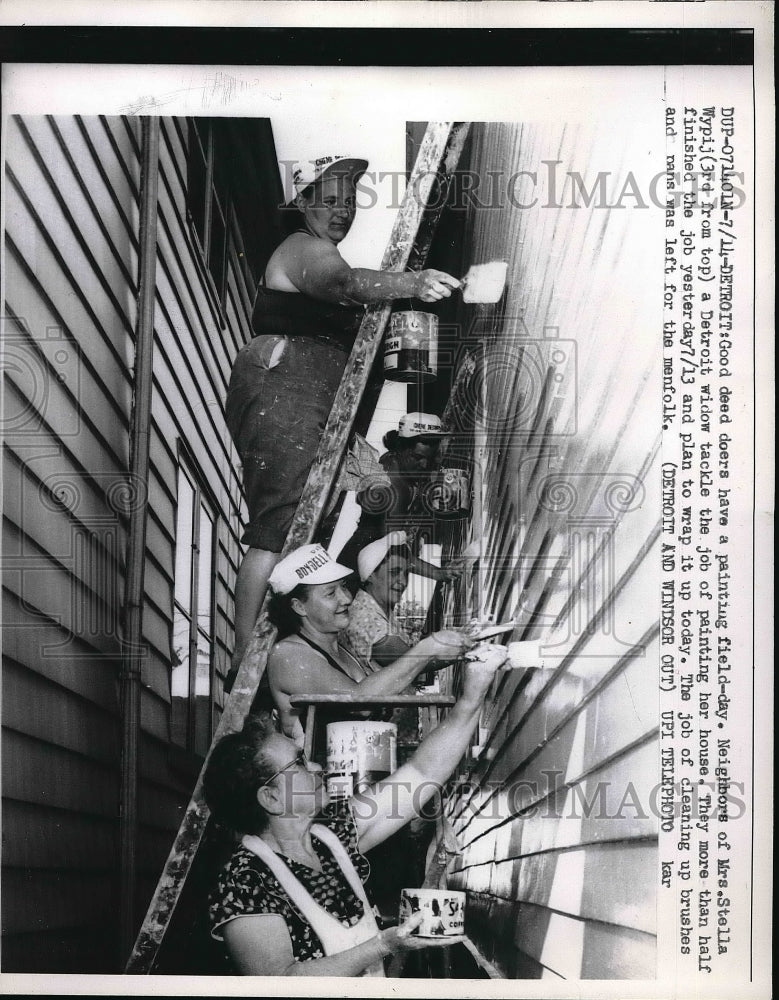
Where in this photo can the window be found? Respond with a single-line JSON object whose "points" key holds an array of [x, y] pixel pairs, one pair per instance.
{"points": [[193, 615], [208, 198], [234, 197]]}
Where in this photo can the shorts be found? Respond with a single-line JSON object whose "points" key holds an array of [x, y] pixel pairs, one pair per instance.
{"points": [[280, 395]]}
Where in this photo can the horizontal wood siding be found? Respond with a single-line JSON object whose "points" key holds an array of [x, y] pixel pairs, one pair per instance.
{"points": [[554, 815], [71, 241], [71, 264]]}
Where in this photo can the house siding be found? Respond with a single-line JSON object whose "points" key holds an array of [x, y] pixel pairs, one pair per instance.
{"points": [[71, 262], [553, 811]]}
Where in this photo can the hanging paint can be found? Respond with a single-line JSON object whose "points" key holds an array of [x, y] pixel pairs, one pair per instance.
{"points": [[359, 754], [411, 347], [449, 493]]}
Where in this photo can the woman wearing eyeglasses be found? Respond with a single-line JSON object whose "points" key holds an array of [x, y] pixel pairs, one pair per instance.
{"points": [[291, 900]]}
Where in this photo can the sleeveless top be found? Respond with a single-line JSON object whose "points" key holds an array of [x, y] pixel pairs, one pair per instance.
{"points": [[362, 668], [293, 314]]}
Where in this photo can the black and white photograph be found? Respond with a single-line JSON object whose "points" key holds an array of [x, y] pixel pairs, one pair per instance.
{"points": [[387, 499]]}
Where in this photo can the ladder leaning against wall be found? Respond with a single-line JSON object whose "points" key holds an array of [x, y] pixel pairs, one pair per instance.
{"points": [[408, 247]]}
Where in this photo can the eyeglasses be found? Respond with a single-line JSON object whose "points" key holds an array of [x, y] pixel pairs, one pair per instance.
{"points": [[300, 758]]}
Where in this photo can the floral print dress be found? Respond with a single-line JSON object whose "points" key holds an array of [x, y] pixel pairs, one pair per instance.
{"points": [[246, 887]]}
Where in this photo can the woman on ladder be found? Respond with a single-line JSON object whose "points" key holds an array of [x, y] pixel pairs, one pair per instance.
{"points": [[399, 496], [291, 901], [310, 609], [308, 308]]}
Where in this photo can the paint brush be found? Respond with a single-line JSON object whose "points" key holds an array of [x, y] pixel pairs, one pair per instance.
{"points": [[533, 654], [484, 283], [519, 655], [488, 631]]}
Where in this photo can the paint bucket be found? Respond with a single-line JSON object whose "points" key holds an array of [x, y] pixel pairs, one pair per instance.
{"points": [[411, 347], [443, 911], [359, 754], [449, 493]]}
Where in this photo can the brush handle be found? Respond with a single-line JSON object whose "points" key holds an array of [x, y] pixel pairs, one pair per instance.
{"points": [[489, 631]]}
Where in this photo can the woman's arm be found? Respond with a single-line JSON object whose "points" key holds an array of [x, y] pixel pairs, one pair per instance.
{"points": [[451, 571], [426, 569], [390, 804], [441, 647], [389, 649], [260, 945], [296, 669], [316, 268]]}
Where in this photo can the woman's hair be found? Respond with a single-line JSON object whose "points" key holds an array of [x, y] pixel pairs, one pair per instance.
{"points": [[281, 613], [394, 550], [235, 770], [289, 216], [398, 550], [392, 441]]}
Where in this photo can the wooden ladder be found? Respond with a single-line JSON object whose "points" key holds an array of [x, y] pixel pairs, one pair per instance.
{"points": [[407, 249]]}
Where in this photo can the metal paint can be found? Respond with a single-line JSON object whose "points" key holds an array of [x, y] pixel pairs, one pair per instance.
{"points": [[411, 347], [358, 754], [450, 492], [443, 911]]}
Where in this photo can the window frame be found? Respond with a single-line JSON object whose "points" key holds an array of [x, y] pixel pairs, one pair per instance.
{"points": [[217, 284], [202, 499], [235, 162]]}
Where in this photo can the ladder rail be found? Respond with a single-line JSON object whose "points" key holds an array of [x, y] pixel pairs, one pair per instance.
{"points": [[411, 235]]}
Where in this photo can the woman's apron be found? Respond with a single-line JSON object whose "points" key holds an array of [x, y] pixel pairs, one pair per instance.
{"points": [[331, 932]]}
